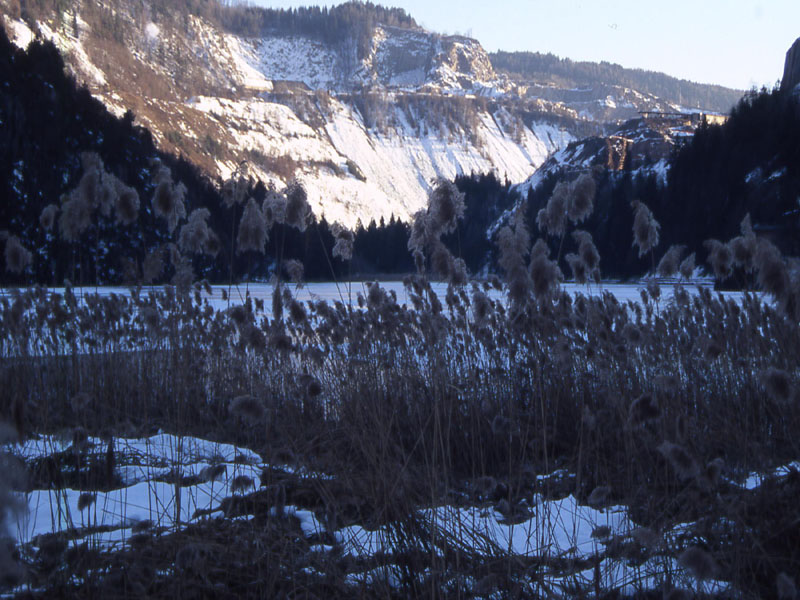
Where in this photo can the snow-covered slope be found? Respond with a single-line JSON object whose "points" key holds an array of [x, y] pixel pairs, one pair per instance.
{"points": [[393, 169], [366, 131]]}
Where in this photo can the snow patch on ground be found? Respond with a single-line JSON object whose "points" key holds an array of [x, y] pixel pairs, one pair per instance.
{"points": [[146, 467]]}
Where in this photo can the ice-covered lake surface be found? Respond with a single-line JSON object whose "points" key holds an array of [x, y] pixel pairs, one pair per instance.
{"points": [[223, 296]]}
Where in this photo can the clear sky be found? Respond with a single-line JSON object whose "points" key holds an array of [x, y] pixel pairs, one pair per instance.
{"points": [[737, 43]]}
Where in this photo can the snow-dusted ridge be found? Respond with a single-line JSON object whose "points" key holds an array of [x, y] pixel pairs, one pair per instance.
{"points": [[358, 131]]}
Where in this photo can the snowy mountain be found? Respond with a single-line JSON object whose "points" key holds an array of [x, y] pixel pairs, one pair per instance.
{"points": [[366, 120]]}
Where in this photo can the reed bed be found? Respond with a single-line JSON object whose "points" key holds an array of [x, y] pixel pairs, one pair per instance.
{"points": [[443, 447]]}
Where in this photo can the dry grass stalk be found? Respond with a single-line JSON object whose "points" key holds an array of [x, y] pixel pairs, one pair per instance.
{"points": [[785, 586]]}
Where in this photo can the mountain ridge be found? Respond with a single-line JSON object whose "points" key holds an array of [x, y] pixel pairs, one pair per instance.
{"points": [[365, 122], [549, 70]]}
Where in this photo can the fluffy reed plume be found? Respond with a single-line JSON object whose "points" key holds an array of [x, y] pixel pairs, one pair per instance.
{"points": [[294, 270], [671, 261], [582, 195], [416, 239], [645, 228], [680, 460], [241, 483], [213, 473], [107, 193], [168, 198], [277, 303], [570, 201], [96, 191], [785, 587], [298, 211], [238, 314], [297, 312], [18, 258], [578, 268], [445, 206], [48, 217], [777, 384], [235, 188], [481, 306], [646, 537], [343, 248], [603, 532], [458, 272], [254, 338], [513, 241], [183, 276], [441, 260], [89, 184], [632, 334], [654, 290], [85, 500], [274, 208], [153, 265], [773, 276], [587, 250], [544, 273], [247, 408], [213, 245], [743, 246], [643, 410], [252, 229], [687, 266], [126, 204], [194, 234], [552, 219], [599, 496], [76, 216], [720, 257], [698, 562]]}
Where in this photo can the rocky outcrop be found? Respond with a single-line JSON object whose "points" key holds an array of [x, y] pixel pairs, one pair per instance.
{"points": [[791, 71]]}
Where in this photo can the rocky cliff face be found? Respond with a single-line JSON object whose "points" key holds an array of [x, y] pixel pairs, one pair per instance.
{"points": [[791, 71], [366, 127]]}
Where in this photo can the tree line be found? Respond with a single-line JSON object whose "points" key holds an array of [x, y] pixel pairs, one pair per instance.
{"points": [[568, 73], [751, 165]]}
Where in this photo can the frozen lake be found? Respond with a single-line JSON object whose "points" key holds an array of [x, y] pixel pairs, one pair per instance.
{"points": [[347, 292]]}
